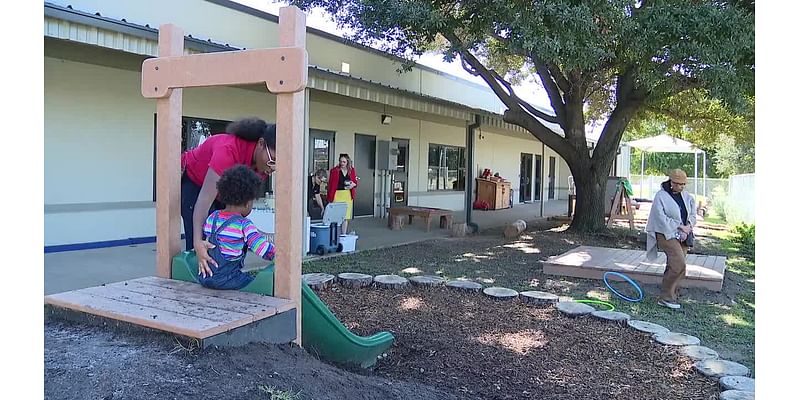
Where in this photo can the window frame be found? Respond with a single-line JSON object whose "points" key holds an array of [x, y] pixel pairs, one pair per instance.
{"points": [[443, 170]]}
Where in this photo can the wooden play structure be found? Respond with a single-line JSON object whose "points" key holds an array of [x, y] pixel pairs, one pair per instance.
{"points": [[185, 308], [590, 262], [621, 207]]}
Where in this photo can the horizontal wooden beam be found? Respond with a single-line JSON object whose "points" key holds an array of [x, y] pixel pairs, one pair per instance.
{"points": [[282, 69]]}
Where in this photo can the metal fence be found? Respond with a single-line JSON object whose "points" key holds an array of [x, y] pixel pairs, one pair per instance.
{"points": [[741, 202], [645, 186]]}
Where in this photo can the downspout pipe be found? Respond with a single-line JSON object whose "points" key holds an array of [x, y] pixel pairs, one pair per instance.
{"points": [[470, 178]]}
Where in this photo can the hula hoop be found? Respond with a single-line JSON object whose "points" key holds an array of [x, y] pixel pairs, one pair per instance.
{"points": [[600, 302], [629, 280]]}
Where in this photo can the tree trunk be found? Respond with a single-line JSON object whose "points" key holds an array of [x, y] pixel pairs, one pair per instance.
{"points": [[589, 203]]}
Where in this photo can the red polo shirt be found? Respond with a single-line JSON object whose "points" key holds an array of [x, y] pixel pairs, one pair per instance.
{"points": [[219, 152]]}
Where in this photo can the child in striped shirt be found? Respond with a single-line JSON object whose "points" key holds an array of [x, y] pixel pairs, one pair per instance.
{"points": [[231, 233]]}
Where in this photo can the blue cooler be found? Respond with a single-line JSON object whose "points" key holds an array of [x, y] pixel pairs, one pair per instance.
{"points": [[325, 236], [324, 239]]}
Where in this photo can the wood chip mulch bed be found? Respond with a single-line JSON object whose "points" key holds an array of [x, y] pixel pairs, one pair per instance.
{"points": [[470, 344]]}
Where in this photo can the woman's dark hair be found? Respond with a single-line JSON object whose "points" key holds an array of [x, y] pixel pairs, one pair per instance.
{"points": [[238, 185], [252, 129]]}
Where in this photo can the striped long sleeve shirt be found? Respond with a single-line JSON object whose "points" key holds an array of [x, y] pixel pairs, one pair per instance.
{"points": [[234, 236]]}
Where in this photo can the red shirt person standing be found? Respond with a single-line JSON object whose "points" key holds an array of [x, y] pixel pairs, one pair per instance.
{"points": [[342, 184]]}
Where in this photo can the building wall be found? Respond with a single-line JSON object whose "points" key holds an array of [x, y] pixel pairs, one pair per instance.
{"points": [[99, 134], [243, 30], [99, 148]]}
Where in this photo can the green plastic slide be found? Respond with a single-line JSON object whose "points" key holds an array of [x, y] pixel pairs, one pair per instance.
{"points": [[323, 334]]}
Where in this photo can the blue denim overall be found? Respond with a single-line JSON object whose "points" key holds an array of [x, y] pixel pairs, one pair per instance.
{"points": [[228, 274]]}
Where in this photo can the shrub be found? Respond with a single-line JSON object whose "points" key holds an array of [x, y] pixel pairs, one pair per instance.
{"points": [[744, 238]]}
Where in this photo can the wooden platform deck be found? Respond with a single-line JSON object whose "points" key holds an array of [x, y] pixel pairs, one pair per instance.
{"points": [[702, 271], [213, 317]]}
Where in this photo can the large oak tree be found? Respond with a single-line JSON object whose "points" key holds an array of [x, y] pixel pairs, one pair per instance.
{"points": [[615, 56]]}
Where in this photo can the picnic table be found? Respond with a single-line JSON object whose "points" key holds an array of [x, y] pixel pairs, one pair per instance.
{"points": [[397, 216]]}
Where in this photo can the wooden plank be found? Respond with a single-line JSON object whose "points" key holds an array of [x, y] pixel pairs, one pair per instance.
{"points": [[282, 69], [600, 256], [700, 260], [620, 261], [616, 254], [574, 257], [280, 305], [197, 299], [291, 115], [719, 264], [627, 262], [231, 319], [168, 164], [140, 315]]}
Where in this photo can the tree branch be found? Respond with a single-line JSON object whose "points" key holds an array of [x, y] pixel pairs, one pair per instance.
{"points": [[542, 133], [553, 93], [531, 109]]}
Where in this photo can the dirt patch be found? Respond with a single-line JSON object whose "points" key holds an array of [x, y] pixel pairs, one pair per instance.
{"points": [[86, 362], [471, 344]]}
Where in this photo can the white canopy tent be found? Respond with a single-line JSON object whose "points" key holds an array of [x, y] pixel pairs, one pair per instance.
{"points": [[668, 144]]}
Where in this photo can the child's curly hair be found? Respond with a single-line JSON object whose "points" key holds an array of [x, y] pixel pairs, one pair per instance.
{"points": [[238, 185]]}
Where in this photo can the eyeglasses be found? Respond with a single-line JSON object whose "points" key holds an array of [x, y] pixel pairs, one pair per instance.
{"points": [[676, 183], [271, 161]]}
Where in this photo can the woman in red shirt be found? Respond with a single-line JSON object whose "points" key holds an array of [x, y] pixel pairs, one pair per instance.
{"points": [[248, 141], [342, 184]]}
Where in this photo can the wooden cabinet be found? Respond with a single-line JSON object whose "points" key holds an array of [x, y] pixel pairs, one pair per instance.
{"points": [[497, 194]]}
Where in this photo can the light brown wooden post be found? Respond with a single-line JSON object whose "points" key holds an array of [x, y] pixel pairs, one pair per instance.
{"points": [[168, 168], [289, 199]]}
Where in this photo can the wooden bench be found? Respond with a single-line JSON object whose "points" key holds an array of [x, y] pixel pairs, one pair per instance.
{"points": [[397, 216], [212, 317]]}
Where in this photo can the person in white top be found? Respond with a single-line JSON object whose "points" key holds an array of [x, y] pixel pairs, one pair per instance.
{"points": [[669, 228]]}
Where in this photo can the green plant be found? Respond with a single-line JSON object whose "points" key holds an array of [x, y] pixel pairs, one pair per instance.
{"points": [[744, 238], [275, 394]]}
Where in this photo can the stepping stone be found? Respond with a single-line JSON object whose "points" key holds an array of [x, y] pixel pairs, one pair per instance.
{"points": [[647, 327], [676, 339], [318, 280], [536, 298], [614, 316], [427, 280], [737, 395], [467, 286], [500, 293], [390, 281], [699, 353], [574, 309], [742, 383], [354, 280], [720, 368]]}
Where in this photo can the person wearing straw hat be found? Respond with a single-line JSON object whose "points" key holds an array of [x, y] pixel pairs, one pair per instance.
{"points": [[669, 228]]}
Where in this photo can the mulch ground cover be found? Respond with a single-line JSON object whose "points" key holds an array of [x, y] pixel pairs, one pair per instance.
{"points": [[469, 343]]}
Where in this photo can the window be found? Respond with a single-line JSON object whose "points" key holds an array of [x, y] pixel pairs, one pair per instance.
{"points": [[195, 130], [446, 167]]}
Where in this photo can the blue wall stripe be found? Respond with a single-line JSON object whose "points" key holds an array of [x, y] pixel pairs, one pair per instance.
{"points": [[100, 245]]}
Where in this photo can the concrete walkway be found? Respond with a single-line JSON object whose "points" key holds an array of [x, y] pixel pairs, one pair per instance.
{"points": [[70, 270]]}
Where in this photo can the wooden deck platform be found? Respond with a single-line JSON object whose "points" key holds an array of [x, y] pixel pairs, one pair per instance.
{"points": [[213, 317], [702, 271]]}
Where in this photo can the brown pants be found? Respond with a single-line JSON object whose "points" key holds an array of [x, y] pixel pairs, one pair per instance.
{"points": [[676, 266]]}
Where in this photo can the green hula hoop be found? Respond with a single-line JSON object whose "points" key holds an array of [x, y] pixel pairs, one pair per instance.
{"points": [[599, 302]]}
